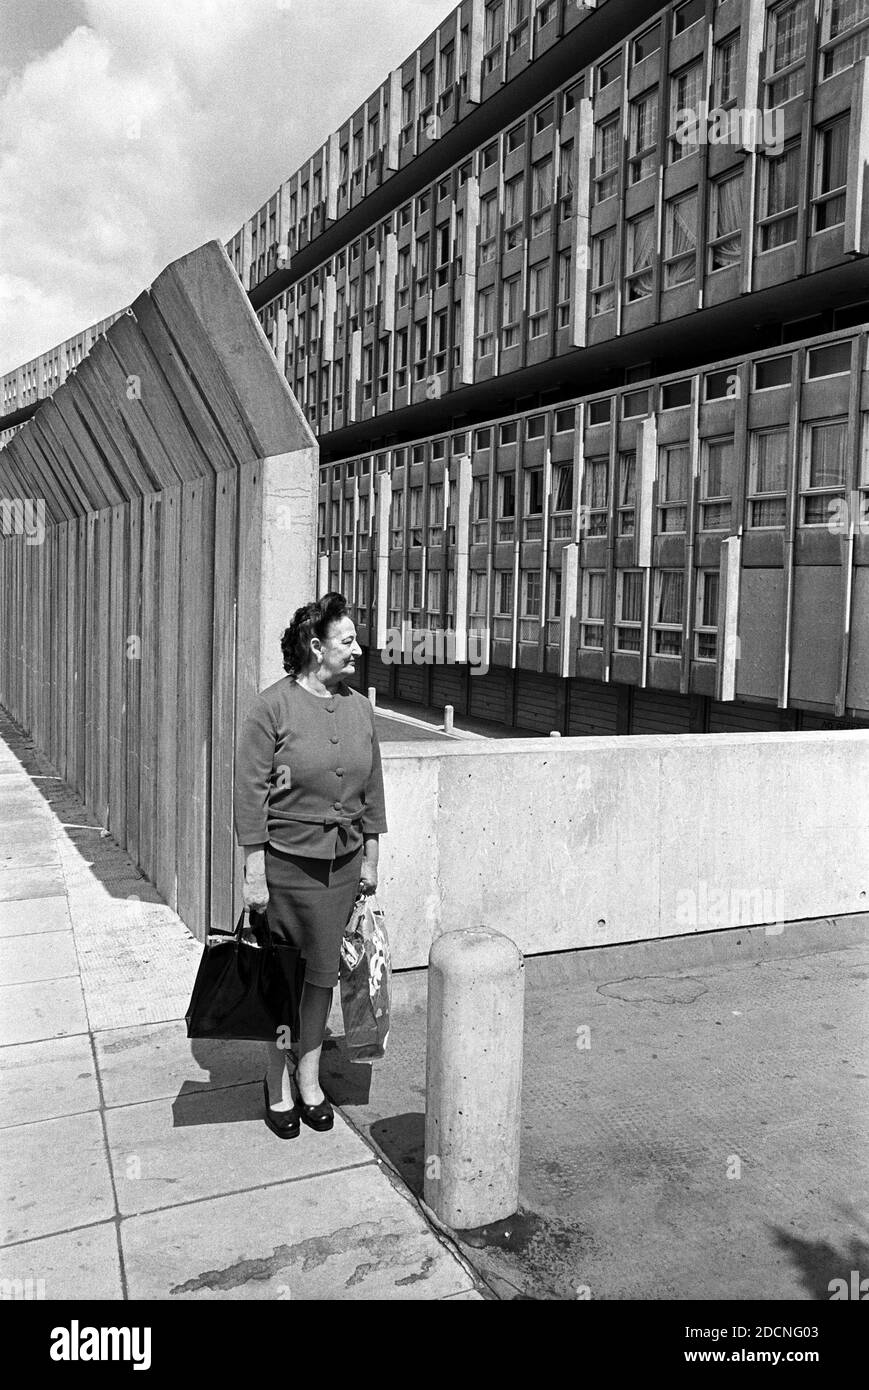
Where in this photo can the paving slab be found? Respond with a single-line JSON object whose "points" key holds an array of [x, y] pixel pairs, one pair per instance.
{"points": [[32, 881], [54, 1175], [210, 1142], [33, 1012], [47, 956], [66, 1266], [30, 916], [351, 1236], [44, 1080], [149, 1063]]}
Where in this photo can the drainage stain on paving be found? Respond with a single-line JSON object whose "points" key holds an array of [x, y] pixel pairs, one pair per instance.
{"points": [[656, 989]]}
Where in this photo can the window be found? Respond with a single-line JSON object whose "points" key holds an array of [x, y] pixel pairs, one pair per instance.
{"points": [[533, 522], [564, 287], [364, 517], [414, 515], [595, 486], [426, 89], [566, 179], [647, 43], [562, 500], [502, 626], [824, 469], [565, 420], [675, 394], [529, 609], [779, 197], [511, 311], [771, 372], [397, 521], [435, 513], [673, 476], [478, 601], [768, 472], [641, 247], [420, 349], [440, 339], [643, 147], [840, 48], [716, 484], [514, 211], [725, 69], [403, 277], [448, 67], [629, 611], [490, 155], [603, 269], [686, 15], [609, 70], [542, 190], [830, 174], [834, 360], [635, 403], [519, 10], [422, 264], [543, 118], [443, 254], [395, 603], [573, 96], [538, 299], [706, 626], [506, 507], [553, 609], [508, 433], [725, 223], [483, 439], [480, 510], [627, 493], [367, 373], [606, 159], [494, 28], [401, 357], [669, 612], [536, 427], [450, 615], [414, 599], [685, 93], [485, 322], [680, 254], [786, 36], [593, 599], [488, 227]]}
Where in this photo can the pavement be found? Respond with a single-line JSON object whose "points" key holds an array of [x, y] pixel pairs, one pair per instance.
{"points": [[695, 1118], [135, 1163]]}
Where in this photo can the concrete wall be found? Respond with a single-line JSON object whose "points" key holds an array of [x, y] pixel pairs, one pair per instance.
{"points": [[576, 842]]}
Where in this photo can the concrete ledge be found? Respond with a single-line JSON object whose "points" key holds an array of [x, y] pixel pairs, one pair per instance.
{"points": [[601, 964]]}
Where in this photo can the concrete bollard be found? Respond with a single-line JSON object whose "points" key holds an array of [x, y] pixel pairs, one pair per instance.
{"points": [[448, 719], [555, 734], [372, 696], [476, 1002]]}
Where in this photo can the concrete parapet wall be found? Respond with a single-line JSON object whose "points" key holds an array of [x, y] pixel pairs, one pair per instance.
{"points": [[580, 842]]}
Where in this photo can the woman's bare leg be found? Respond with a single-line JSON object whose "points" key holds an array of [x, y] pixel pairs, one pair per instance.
{"points": [[316, 1002], [280, 1066]]}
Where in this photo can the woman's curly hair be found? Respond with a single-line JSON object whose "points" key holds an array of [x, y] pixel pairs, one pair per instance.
{"points": [[311, 620]]}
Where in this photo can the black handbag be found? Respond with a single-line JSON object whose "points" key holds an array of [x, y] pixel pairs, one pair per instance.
{"points": [[244, 991]]}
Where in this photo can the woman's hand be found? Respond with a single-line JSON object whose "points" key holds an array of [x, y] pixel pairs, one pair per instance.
{"points": [[368, 879], [255, 890]]}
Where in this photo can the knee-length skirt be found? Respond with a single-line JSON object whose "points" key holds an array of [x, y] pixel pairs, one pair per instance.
{"points": [[310, 901]]}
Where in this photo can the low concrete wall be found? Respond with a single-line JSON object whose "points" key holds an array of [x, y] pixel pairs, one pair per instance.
{"points": [[576, 842]]}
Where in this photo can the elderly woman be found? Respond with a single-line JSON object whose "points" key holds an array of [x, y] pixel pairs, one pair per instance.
{"points": [[309, 809]]}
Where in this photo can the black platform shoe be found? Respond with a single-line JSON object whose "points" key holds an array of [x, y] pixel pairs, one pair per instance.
{"points": [[283, 1123], [320, 1117]]}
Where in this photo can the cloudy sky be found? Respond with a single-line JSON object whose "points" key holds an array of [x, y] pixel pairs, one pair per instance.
{"points": [[133, 130]]}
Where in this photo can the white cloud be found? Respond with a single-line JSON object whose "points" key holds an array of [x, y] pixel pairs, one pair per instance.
{"points": [[158, 124]]}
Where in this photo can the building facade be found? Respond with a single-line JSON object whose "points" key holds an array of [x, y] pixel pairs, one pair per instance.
{"points": [[576, 304]]}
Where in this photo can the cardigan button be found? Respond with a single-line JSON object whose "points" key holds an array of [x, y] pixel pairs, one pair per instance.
{"points": [[337, 805], [330, 708], [339, 772], [334, 738]]}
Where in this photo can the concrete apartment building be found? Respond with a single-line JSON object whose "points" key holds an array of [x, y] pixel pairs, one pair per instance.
{"points": [[576, 303]]}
